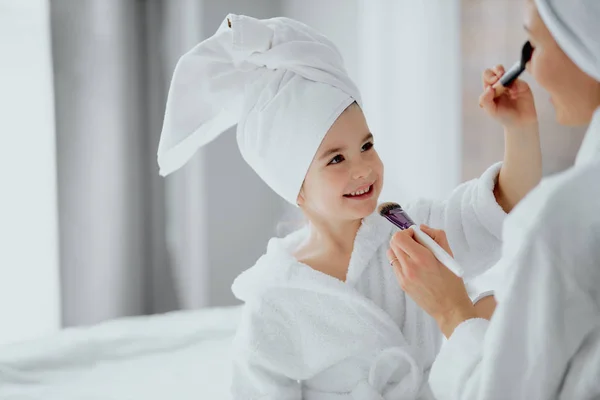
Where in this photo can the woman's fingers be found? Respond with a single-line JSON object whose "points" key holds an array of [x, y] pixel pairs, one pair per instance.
{"points": [[492, 75], [410, 252], [486, 100], [404, 241], [498, 70], [404, 244], [397, 266], [391, 256], [405, 268], [489, 78]]}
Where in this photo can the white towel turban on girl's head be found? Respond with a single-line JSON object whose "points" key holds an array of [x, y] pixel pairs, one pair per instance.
{"points": [[282, 82], [575, 25]]}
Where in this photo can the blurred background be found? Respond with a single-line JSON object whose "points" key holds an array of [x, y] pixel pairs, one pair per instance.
{"points": [[89, 231]]}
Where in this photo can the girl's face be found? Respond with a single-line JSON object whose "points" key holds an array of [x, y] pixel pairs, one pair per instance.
{"points": [[575, 94], [346, 176]]}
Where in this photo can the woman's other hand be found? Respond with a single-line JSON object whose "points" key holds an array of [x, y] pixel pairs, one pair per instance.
{"points": [[515, 108]]}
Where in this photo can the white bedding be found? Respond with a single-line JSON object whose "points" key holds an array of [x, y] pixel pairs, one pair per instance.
{"points": [[181, 355]]}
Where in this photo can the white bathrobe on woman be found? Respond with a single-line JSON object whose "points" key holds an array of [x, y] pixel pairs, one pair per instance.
{"points": [[543, 341], [307, 335]]}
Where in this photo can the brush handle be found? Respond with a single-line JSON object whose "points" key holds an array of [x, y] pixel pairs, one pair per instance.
{"points": [[439, 253], [509, 77]]}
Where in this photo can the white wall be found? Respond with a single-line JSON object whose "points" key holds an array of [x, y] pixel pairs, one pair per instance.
{"points": [[29, 280]]}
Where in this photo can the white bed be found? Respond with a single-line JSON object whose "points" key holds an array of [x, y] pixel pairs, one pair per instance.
{"points": [[180, 355]]}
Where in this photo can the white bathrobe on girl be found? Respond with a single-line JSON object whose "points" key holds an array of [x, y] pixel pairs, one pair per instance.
{"points": [[305, 334]]}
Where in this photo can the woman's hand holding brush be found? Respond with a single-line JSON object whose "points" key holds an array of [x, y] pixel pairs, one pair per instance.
{"points": [[514, 108]]}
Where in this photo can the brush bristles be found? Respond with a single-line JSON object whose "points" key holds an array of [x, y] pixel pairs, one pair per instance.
{"points": [[526, 53], [385, 208]]}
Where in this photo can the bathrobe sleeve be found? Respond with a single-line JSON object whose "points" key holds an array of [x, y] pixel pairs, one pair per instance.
{"points": [[545, 312], [264, 356], [472, 220]]}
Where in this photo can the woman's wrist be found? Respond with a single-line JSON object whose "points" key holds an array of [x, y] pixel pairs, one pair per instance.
{"points": [[524, 130], [448, 321]]}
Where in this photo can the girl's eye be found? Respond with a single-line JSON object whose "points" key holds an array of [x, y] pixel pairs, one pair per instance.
{"points": [[367, 146], [336, 160]]}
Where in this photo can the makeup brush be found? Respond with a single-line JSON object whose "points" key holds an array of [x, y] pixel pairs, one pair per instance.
{"points": [[514, 72]]}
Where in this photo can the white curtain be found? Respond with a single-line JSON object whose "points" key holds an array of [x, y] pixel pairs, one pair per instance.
{"points": [[29, 284], [132, 242]]}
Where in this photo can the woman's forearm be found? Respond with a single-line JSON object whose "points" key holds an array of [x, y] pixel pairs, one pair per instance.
{"points": [[522, 167], [454, 317]]}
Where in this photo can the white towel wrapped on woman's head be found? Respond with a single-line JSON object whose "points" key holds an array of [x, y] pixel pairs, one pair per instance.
{"points": [[282, 82], [575, 25]]}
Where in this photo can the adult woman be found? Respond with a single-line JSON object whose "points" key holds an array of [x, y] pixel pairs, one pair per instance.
{"points": [[544, 338]]}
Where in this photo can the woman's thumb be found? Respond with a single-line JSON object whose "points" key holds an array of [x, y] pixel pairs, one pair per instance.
{"points": [[519, 86], [439, 236], [430, 231]]}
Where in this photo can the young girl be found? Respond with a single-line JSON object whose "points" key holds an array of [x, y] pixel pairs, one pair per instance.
{"points": [[324, 317]]}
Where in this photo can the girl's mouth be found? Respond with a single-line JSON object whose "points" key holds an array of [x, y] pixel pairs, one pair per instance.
{"points": [[361, 193]]}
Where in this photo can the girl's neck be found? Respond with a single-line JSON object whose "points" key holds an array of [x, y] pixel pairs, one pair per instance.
{"points": [[333, 237], [328, 247]]}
